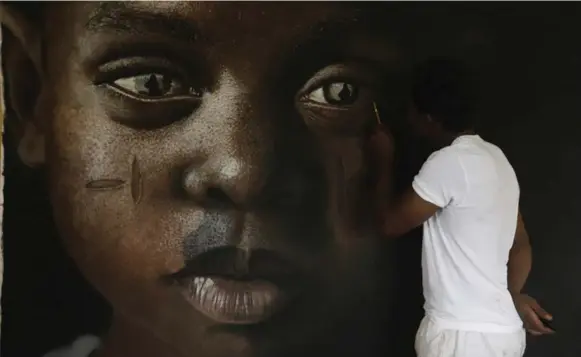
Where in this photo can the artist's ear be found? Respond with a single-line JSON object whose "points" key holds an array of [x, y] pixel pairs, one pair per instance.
{"points": [[22, 62]]}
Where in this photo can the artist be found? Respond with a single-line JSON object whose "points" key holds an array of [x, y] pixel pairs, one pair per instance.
{"points": [[476, 253]]}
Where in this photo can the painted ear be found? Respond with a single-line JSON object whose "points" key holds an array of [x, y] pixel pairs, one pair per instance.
{"points": [[31, 148], [22, 62]]}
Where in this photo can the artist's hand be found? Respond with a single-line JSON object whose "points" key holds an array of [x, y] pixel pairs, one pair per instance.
{"points": [[531, 314], [381, 146]]}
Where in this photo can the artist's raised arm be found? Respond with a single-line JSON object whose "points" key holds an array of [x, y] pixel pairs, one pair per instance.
{"points": [[406, 213], [440, 181]]}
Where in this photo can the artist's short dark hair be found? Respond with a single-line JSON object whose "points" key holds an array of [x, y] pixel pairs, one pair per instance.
{"points": [[444, 88]]}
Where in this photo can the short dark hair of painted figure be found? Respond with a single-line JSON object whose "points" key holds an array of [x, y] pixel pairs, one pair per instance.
{"points": [[206, 167], [443, 97]]}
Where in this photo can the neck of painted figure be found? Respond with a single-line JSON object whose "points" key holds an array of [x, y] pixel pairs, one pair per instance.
{"points": [[125, 339]]}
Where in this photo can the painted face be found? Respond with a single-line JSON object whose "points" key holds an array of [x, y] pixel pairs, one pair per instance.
{"points": [[207, 171]]}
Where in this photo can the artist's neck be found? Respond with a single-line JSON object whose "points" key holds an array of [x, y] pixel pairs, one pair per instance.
{"points": [[447, 138]]}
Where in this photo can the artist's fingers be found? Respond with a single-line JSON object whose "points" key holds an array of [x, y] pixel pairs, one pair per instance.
{"points": [[538, 333], [381, 133], [382, 144], [540, 311], [545, 331], [385, 131], [534, 324], [532, 321]]}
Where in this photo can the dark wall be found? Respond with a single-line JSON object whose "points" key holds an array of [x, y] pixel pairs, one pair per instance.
{"points": [[537, 124], [529, 58]]}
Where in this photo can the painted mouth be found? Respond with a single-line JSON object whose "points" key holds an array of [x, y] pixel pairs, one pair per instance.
{"points": [[231, 301], [233, 288]]}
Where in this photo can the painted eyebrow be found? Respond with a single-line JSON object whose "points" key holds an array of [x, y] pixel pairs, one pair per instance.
{"points": [[119, 16], [126, 17], [323, 42]]}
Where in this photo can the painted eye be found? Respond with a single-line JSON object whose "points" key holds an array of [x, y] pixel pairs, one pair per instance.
{"points": [[155, 85], [335, 93]]}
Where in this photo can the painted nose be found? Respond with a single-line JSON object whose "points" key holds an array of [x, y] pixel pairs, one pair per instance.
{"points": [[229, 182], [222, 181]]}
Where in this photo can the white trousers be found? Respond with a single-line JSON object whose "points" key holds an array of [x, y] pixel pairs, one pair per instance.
{"points": [[433, 341]]}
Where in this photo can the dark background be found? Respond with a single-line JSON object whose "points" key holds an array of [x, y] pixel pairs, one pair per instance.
{"points": [[528, 56]]}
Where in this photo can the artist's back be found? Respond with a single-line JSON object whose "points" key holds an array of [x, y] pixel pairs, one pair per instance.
{"points": [[467, 243]]}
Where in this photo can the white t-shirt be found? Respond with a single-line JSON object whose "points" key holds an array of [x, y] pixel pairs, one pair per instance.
{"points": [[466, 244], [83, 346]]}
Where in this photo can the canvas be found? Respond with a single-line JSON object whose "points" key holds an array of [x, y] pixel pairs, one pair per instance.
{"points": [[191, 178]]}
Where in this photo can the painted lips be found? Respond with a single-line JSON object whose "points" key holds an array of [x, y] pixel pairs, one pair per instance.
{"points": [[232, 301], [242, 289]]}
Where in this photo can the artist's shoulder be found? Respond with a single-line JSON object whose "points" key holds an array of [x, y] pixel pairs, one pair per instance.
{"points": [[83, 346], [445, 156]]}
